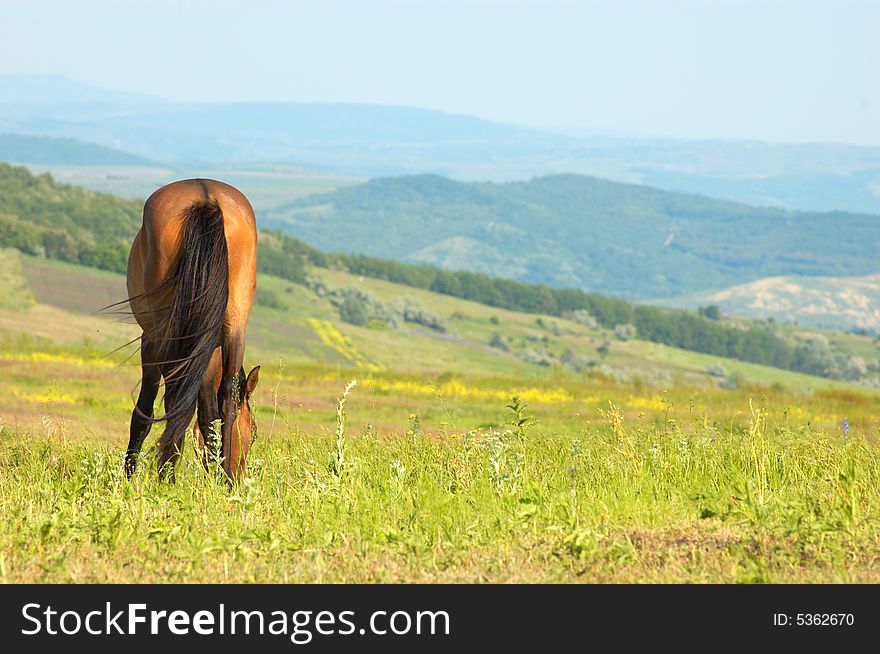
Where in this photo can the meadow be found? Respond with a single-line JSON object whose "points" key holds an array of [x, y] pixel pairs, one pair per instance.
{"points": [[643, 469]]}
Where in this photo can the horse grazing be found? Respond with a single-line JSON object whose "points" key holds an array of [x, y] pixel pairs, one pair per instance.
{"points": [[192, 275]]}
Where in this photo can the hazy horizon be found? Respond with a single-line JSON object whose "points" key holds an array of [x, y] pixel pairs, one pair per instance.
{"points": [[735, 70]]}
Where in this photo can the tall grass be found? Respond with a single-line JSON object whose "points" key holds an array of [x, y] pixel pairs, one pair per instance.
{"points": [[614, 500]]}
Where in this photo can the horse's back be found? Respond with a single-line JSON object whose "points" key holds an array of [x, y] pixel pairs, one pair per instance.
{"points": [[165, 208], [157, 246]]}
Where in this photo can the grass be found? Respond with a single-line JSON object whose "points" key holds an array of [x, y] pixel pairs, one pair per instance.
{"points": [[621, 500], [428, 469]]}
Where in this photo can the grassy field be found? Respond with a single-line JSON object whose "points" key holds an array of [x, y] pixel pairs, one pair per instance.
{"points": [[651, 472]]}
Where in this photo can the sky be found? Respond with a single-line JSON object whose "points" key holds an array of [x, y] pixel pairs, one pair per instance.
{"points": [[774, 70]]}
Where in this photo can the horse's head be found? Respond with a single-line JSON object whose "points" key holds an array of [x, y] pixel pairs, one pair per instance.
{"points": [[244, 427]]}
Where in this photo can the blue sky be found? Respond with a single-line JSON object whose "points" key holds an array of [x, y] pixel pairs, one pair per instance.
{"points": [[782, 70]]}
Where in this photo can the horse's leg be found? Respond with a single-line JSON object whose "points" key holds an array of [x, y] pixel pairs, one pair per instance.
{"points": [[209, 411], [142, 416], [228, 397], [171, 441], [200, 442]]}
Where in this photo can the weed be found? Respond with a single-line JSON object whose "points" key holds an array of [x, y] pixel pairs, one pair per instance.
{"points": [[339, 463]]}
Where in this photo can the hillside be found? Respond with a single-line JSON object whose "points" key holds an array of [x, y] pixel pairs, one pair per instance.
{"points": [[568, 230], [841, 303], [58, 303], [23, 148], [42, 217], [375, 140]]}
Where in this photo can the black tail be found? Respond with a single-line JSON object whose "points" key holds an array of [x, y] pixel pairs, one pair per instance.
{"points": [[190, 330]]}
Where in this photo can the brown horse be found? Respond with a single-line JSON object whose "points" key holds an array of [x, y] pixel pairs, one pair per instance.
{"points": [[192, 275]]}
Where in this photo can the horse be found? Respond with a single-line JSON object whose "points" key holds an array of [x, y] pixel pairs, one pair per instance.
{"points": [[192, 276]]}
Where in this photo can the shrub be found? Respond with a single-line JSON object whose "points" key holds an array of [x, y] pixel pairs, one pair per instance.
{"points": [[625, 331], [712, 312], [583, 317], [317, 285], [537, 356], [353, 310], [716, 370], [412, 310], [499, 342], [575, 362]]}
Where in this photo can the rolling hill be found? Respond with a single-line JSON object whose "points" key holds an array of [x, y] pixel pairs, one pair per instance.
{"points": [[631, 241], [22, 148], [825, 302], [54, 304]]}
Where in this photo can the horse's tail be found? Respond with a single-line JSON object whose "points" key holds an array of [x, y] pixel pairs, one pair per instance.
{"points": [[193, 324]]}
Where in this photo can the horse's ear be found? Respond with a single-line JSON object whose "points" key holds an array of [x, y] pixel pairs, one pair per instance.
{"points": [[252, 379]]}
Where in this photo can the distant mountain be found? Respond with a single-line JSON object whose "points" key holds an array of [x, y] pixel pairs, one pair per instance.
{"points": [[840, 303], [377, 140], [21, 148], [53, 96], [630, 241], [326, 135]]}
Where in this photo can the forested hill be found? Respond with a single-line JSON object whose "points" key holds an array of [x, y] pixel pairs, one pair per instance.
{"points": [[632, 241], [43, 217], [59, 221]]}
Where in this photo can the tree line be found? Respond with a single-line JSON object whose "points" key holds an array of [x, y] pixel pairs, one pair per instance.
{"points": [[698, 332]]}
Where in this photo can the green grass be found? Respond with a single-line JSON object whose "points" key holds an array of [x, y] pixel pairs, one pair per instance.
{"points": [[610, 480], [620, 500]]}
